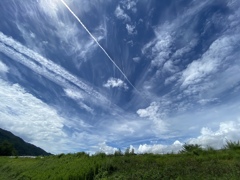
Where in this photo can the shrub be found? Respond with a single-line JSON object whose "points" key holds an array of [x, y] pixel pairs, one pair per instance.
{"points": [[192, 149], [118, 153], [232, 145], [101, 154]]}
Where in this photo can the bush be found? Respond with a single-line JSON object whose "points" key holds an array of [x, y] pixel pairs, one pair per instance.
{"points": [[232, 145], [118, 153], [192, 149]]}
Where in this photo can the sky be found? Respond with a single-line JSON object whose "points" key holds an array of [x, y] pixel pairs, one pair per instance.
{"points": [[103, 75]]}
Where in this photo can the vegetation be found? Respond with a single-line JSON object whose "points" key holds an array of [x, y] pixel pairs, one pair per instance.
{"points": [[7, 149], [19, 146], [192, 162], [232, 145]]}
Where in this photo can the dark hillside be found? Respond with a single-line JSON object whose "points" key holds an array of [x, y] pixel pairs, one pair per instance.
{"points": [[23, 148]]}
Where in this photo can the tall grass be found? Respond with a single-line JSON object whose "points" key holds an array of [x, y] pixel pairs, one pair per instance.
{"points": [[192, 162]]}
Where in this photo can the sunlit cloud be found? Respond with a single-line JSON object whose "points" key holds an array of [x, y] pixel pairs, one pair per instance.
{"points": [[115, 83]]}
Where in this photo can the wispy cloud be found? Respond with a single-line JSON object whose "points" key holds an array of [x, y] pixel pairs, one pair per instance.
{"points": [[130, 5], [159, 127], [120, 14], [183, 75], [3, 68], [47, 68], [115, 83], [61, 28], [79, 98], [217, 55], [174, 66], [29, 117]]}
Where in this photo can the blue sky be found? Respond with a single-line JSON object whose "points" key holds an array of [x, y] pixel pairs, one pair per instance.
{"points": [[101, 75]]}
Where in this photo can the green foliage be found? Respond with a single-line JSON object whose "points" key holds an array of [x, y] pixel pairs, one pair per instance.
{"points": [[118, 153], [232, 145], [195, 149], [101, 154], [7, 149], [207, 164], [129, 151]]}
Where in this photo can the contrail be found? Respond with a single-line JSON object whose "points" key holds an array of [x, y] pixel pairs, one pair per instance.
{"points": [[105, 52], [45, 67]]}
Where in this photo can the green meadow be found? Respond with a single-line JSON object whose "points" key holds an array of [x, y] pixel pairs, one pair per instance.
{"points": [[192, 162]]}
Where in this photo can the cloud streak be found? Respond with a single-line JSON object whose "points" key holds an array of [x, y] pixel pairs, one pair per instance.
{"points": [[96, 41], [3, 68], [45, 67]]}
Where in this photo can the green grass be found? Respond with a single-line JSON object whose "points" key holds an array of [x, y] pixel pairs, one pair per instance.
{"points": [[192, 163]]}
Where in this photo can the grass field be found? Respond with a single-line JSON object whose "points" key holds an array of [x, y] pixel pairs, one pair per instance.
{"points": [[191, 163]]}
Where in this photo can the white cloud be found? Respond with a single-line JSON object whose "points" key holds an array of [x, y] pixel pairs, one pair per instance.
{"points": [[217, 54], [50, 7], [177, 74], [131, 29], [159, 148], [74, 94], [79, 98], [40, 124], [115, 83], [72, 39], [197, 71], [130, 5], [153, 113], [159, 49], [164, 47], [103, 147], [3, 67], [47, 68], [169, 67], [228, 131], [29, 117], [120, 14]]}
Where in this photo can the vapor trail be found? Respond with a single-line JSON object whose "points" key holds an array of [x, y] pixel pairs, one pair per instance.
{"points": [[105, 52]]}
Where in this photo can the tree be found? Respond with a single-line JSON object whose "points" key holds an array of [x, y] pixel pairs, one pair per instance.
{"points": [[118, 152], [129, 151], [7, 149]]}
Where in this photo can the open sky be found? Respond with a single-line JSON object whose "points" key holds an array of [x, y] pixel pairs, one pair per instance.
{"points": [[98, 75]]}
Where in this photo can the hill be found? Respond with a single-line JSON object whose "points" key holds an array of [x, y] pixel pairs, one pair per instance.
{"points": [[22, 148]]}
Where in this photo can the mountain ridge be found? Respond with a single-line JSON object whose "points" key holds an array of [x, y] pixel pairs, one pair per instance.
{"points": [[23, 148]]}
